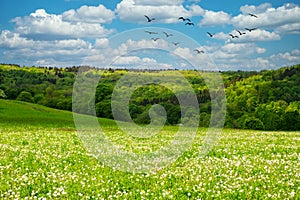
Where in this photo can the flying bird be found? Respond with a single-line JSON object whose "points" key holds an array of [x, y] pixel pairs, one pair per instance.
{"points": [[154, 39], [190, 23], [149, 19], [150, 32], [252, 15], [183, 19], [241, 33], [250, 29], [167, 35], [234, 36], [175, 43], [210, 35], [199, 51]]}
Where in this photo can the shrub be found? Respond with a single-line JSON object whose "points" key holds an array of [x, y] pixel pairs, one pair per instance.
{"points": [[25, 96], [253, 123]]}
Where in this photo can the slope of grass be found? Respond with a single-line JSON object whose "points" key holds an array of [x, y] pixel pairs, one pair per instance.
{"points": [[23, 113], [19, 113]]}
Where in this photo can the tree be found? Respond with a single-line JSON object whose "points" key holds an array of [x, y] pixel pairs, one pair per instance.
{"points": [[253, 123], [271, 114], [291, 121], [103, 109]]}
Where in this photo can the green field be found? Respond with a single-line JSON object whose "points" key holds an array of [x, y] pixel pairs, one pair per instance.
{"points": [[41, 157]]}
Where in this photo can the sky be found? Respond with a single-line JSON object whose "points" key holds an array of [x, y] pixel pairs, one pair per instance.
{"points": [[100, 33]]}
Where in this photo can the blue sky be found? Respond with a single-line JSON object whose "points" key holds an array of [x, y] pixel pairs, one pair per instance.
{"points": [[75, 32]]}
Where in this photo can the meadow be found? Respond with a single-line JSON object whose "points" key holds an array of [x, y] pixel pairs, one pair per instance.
{"points": [[41, 157]]}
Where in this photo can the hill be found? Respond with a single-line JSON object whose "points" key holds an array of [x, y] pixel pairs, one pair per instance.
{"points": [[23, 114], [20, 113], [265, 100]]}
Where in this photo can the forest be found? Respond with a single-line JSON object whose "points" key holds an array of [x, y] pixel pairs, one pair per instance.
{"points": [[258, 100]]}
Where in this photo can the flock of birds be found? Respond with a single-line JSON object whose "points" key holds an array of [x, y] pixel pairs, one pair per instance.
{"points": [[188, 22]]}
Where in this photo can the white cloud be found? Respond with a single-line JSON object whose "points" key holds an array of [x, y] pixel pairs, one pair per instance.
{"points": [[137, 62], [201, 61], [102, 55], [282, 19], [163, 11], [253, 36], [141, 44], [157, 2], [278, 60], [89, 14], [234, 56], [101, 43], [127, 60], [255, 9], [70, 51], [289, 58], [41, 25], [211, 18], [13, 40], [293, 28]]}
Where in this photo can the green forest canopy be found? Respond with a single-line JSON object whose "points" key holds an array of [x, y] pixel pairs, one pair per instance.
{"points": [[265, 100]]}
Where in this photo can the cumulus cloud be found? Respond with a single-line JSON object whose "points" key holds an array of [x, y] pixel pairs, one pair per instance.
{"points": [[289, 58], [201, 61], [282, 19], [274, 61], [242, 49], [211, 18], [139, 62], [157, 2], [163, 11], [101, 43], [89, 14], [103, 56], [28, 50], [255, 9], [41, 25], [258, 35], [233, 56]]}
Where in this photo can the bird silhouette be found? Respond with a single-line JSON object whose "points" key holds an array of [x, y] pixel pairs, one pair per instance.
{"points": [[199, 51], [149, 19], [167, 35], [210, 35], [183, 19], [150, 32], [190, 23], [154, 39], [252, 15], [250, 29], [175, 43], [241, 33], [234, 36]]}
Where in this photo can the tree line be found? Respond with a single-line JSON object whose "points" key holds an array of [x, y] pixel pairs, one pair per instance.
{"points": [[265, 100]]}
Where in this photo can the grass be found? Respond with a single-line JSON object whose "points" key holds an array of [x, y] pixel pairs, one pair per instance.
{"points": [[41, 157]]}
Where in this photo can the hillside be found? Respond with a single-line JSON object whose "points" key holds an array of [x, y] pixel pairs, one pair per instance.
{"points": [[265, 100], [24, 114]]}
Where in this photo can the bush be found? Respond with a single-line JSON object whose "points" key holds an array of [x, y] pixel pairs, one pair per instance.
{"points": [[253, 123], [103, 109], [143, 118], [291, 121], [2, 94], [25, 96]]}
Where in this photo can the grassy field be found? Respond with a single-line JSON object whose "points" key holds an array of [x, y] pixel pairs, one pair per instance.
{"points": [[41, 157]]}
